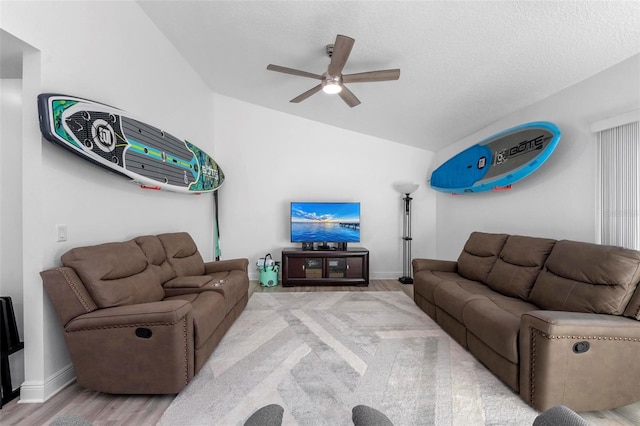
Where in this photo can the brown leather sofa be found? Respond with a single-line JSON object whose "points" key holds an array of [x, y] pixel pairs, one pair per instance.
{"points": [[557, 321], [143, 316]]}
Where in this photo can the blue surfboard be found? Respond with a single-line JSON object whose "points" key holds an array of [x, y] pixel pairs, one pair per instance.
{"points": [[498, 161]]}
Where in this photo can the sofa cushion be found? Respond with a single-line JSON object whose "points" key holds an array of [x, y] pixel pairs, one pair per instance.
{"points": [[479, 254], [115, 274], [208, 313], [234, 286], [193, 283], [518, 265], [583, 277], [633, 307], [153, 250], [453, 296], [425, 282], [495, 320], [182, 253]]}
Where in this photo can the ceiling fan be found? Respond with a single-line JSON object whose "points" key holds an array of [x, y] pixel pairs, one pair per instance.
{"points": [[332, 81]]}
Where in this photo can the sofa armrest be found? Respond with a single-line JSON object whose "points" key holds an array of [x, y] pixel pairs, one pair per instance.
{"points": [[146, 348], [226, 265], [434, 265], [67, 293], [165, 312], [581, 360]]}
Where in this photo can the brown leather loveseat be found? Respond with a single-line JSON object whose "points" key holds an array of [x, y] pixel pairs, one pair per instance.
{"points": [[557, 321], [143, 316]]}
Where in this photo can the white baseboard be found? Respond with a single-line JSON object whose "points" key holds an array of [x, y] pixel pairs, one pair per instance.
{"points": [[39, 392], [385, 275]]}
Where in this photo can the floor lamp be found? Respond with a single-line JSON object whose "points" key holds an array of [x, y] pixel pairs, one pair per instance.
{"points": [[406, 189]]}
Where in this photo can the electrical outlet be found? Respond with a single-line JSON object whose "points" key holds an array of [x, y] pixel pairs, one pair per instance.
{"points": [[61, 232]]}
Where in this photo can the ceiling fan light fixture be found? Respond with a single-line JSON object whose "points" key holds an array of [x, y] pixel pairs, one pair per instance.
{"points": [[332, 88], [331, 81], [331, 84]]}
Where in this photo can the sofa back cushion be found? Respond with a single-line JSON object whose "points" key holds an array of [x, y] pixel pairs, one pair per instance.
{"points": [[157, 258], [115, 274], [182, 253], [518, 265], [583, 277], [633, 307], [479, 254]]}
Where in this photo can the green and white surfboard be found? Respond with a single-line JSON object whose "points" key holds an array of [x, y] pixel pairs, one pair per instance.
{"points": [[112, 139]]}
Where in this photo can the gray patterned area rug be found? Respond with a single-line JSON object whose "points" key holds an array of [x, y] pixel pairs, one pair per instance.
{"points": [[318, 354]]}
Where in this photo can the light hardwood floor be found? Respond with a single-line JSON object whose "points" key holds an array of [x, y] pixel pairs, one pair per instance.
{"points": [[103, 409]]}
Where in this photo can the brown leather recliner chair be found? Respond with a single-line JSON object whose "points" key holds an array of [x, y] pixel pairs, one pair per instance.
{"points": [[143, 316]]}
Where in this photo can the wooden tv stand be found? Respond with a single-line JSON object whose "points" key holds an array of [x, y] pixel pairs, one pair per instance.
{"points": [[325, 267]]}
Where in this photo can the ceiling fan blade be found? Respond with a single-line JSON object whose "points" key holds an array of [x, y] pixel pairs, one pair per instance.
{"points": [[306, 94], [341, 50], [381, 75], [292, 71], [348, 96]]}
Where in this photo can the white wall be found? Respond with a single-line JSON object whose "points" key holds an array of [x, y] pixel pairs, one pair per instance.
{"points": [[10, 210], [558, 200], [271, 158], [112, 53]]}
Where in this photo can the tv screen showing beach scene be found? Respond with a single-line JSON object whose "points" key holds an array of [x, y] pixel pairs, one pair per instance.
{"points": [[325, 222]]}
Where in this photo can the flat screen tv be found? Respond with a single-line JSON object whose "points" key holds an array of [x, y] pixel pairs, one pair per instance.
{"points": [[325, 222]]}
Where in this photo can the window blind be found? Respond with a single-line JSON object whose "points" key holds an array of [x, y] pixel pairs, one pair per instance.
{"points": [[619, 185]]}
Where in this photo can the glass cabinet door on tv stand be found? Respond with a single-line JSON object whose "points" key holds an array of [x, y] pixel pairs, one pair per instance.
{"points": [[330, 267]]}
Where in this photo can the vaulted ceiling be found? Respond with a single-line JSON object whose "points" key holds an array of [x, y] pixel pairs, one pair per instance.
{"points": [[464, 64]]}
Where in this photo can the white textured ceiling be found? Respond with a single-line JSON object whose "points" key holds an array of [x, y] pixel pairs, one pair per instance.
{"points": [[463, 64]]}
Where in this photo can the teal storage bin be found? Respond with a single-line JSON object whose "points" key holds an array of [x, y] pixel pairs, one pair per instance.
{"points": [[268, 269]]}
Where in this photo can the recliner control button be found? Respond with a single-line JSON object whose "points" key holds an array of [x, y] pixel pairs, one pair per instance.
{"points": [[145, 333], [581, 347]]}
